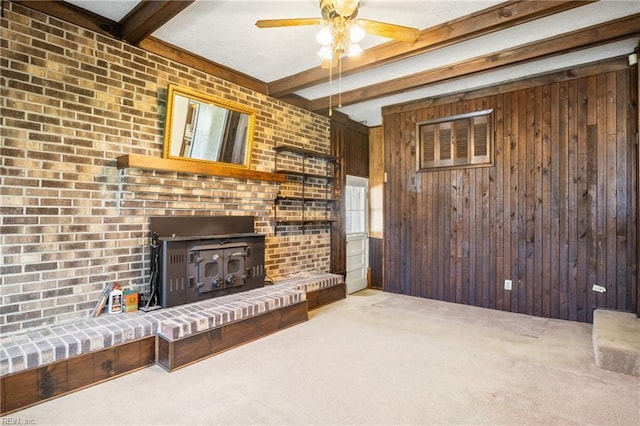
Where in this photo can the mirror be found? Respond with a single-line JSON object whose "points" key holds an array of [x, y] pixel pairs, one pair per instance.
{"points": [[201, 127]]}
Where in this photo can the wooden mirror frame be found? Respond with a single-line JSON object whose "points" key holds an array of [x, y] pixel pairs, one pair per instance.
{"points": [[178, 126]]}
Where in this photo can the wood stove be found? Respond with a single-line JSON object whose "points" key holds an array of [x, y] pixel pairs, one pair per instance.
{"points": [[197, 257]]}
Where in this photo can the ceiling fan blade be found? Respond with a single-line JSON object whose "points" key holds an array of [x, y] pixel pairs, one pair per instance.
{"points": [[274, 23], [383, 29]]}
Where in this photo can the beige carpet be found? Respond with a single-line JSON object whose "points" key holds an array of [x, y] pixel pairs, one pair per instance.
{"points": [[376, 358]]}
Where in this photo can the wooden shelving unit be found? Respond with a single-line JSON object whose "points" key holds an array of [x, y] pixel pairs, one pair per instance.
{"points": [[300, 177]]}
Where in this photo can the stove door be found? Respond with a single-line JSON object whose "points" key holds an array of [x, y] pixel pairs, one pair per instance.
{"points": [[211, 272], [218, 266], [234, 262]]}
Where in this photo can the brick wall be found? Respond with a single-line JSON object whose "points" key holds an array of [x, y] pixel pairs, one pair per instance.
{"points": [[72, 102]]}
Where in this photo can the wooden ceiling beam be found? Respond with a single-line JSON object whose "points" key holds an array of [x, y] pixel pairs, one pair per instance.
{"points": [[181, 56], [484, 22], [148, 16], [611, 31], [598, 67]]}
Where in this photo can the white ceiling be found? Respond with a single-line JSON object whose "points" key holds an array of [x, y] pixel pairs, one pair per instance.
{"points": [[223, 31]]}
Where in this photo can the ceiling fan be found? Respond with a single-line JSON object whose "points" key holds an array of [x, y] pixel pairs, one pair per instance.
{"points": [[341, 32]]}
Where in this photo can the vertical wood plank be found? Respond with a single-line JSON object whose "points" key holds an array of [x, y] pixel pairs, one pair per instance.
{"points": [[474, 231], [576, 87], [559, 214], [582, 189], [633, 198], [338, 260], [591, 220], [464, 235], [563, 191], [592, 197], [428, 268], [595, 101], [455, 295], [601, 191], [611, 147], [436, 232], [550, 138], [422, 193], [444, 287], [432, 231], [537, 282], [390, 222], [523, 168], [404, 229], [624, 158], [487, 260], [504, 296], [498, 207], [517, 160], [408, 201]]}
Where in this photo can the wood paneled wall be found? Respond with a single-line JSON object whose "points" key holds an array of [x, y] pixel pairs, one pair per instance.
{"points": [[376, 183], [556, 214], [356, 152], [349, 142], [376, 207], [375, 263], [338, 234]]}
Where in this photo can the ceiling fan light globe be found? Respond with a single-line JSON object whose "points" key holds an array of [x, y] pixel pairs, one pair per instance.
{"points": [[354, 49], [325, 52], [356, 33], [324, 36]]}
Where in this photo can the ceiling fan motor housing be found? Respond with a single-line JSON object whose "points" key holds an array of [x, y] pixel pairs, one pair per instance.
{"points": [[347, 9]]}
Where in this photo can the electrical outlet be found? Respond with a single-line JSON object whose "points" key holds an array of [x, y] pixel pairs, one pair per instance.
{"points": [[599, 288], [507, 284]]}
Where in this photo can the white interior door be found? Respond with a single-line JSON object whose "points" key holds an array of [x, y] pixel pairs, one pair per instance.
{"points": [[356, 215]]}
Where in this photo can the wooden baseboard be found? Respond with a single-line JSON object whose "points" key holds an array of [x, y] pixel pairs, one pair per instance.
{"points": [[324, 296], [30, 387], [172, 355]]}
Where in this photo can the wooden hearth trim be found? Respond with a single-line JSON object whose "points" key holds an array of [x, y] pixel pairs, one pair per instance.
{"points": [[36, 385], [325, 296], [175, 354]]}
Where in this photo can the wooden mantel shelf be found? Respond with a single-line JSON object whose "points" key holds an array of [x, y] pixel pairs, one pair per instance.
{"points": [[136, 161]]}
